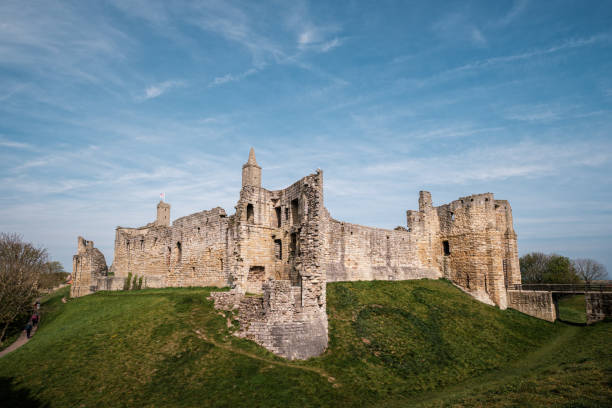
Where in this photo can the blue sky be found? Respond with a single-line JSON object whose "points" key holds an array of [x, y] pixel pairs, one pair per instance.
{"points": [[105, 104]]}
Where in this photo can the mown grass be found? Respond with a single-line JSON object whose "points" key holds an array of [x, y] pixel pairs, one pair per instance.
{"points": [[572, 309], [414, 343]]}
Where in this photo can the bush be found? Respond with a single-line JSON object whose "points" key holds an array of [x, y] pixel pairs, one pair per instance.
{"points": [[140, 283], [127, 282]]}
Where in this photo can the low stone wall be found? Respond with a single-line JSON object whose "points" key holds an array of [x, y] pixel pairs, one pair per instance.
{"points": [[538, 304], [110, 283], [598, 306]]}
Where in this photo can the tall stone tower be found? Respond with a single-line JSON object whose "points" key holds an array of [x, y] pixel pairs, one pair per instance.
{"points": [[163, 214], [251, 172]]}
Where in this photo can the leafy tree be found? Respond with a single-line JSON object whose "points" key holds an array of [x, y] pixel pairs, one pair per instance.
{"points": [[589, 270], [537, 267], [55, 267], [20, 267]]}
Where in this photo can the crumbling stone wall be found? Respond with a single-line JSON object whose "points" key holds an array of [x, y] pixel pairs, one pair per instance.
{"points": [[281, 232], [87, 266], [472, 240]]}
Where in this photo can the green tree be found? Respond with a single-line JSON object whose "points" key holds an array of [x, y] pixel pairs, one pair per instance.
{"points": [[55, 267], [537, 267]]}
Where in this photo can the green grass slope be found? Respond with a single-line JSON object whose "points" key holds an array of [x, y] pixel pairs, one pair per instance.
{"points": [[412, 343], [572, 309]]}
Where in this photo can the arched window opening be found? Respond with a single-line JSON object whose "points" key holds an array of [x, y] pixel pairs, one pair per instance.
{"points": [[179, 252]]}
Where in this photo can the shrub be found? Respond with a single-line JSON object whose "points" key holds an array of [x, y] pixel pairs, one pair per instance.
{"points": [[128, 280]]}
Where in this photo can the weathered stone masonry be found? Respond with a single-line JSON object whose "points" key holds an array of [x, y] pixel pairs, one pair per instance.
{"points": [[284, 246]]}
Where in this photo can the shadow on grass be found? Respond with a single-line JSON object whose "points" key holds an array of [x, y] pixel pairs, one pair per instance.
{"points": [[571, 323], [12, 396]]}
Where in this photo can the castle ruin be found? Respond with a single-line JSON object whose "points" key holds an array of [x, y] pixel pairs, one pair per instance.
{"points": [[284, 246]]}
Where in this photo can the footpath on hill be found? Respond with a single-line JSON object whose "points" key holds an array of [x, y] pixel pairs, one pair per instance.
{"points": [[23, 338]]}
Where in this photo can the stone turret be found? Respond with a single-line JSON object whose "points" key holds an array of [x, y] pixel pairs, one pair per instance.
{"points": [[251, 172], [163, 214]]}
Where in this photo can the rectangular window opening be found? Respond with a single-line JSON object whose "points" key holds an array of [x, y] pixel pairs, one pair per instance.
{"points": [[278, 249], [294, 211], [278, 217], [446, 248]]}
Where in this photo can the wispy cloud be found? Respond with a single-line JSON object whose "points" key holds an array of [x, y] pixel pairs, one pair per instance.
{"points": [[15, 145], [569, 44], [159, 89], [526, 159], [456, 27], [518, 7], [477, 37], [232, 78]]}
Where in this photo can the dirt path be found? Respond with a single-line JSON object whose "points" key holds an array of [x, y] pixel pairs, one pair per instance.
{"points": [[19, 342], [256, 357], [22, 339]]}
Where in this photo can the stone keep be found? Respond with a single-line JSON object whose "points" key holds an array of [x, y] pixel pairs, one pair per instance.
{"points": [[285, 246]]}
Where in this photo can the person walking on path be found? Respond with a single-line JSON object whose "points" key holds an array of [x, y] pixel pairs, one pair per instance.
{"points": [[35, 319], [28, 328]]}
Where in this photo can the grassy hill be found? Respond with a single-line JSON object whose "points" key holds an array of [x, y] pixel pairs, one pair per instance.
{"points": [[412, 343]]}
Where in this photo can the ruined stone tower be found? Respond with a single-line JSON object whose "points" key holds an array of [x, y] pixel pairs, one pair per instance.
{"points": [[87, 266], [251, 172]]}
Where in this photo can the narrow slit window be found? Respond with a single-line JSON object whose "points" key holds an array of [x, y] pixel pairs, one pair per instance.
{"points": [[446, 248], [278, 217], [250, 214]]}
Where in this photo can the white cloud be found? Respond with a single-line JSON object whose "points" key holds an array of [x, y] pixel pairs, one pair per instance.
{"points": [[525, 159], [517, 9], [156, 90], [478, 38], [15, 145], [456, 27], [232, 78]]}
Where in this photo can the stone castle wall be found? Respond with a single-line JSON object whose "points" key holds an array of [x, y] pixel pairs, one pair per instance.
{"points": [[192, 252], [355, 252]]}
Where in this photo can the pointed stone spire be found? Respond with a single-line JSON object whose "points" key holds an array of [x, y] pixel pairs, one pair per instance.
{"points": [[252, 160], [251, 172]]}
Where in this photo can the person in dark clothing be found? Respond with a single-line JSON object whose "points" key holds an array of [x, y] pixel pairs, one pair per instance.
{"points": [[28, 329]]}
